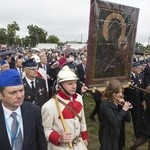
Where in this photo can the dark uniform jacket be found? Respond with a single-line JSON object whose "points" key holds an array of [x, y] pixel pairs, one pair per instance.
{"points": [[33, 132], [39, 96], [145, 122], [146, 79], [132, 94]]}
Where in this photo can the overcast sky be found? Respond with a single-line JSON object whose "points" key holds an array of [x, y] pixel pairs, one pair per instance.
{"points": [[67, 19]]}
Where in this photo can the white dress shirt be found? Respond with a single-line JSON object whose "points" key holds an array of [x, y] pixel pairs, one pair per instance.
{"points": [[9, 119], [29, 82]]}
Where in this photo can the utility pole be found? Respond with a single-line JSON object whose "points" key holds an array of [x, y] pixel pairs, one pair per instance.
{"points": [[81, 37]]}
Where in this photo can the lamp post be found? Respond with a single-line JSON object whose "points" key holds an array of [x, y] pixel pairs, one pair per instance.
{"points": [[148, 40], [81, 38]]}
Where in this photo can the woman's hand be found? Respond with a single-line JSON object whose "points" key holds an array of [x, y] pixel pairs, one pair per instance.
{"points": [[127, 106]]}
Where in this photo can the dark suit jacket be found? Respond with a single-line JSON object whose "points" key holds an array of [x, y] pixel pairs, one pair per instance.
{"points": [[50, 73], [48, 68], [20, 72], [40, 95], [34, 138], [146, 79], [81, 72], [12, 63], [145, 121], [132, 94]]}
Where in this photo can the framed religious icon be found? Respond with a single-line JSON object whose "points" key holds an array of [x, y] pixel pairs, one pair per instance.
{"points": [[111, 42]]}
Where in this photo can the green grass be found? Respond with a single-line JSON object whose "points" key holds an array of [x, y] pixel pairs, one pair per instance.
{"points": [[93, 128]]}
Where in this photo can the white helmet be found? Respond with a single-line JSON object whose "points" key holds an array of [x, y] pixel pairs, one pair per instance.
{"points": [[66, 74]]}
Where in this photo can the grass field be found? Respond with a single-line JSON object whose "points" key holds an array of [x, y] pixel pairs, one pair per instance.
{"points": [[93, 128]]}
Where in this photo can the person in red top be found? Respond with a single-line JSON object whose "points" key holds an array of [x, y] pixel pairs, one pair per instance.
{"points": [[62, 60], [63, 115]]}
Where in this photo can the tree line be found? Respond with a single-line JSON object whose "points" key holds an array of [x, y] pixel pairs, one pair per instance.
{"points": [[36, 35]]}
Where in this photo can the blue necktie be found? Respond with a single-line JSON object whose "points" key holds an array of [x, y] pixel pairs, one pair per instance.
{"points": [[16, 137], [44, 67], [20, 71]]}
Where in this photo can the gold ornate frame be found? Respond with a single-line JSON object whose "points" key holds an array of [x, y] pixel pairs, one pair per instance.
{"points": [[111, 41]]}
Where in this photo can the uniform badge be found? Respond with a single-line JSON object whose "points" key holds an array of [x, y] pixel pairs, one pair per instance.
{"points": [[29, 97], [41, 91]]}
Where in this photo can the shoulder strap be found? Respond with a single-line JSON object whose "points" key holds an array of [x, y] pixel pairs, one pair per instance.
{"points": [[70, 108]]}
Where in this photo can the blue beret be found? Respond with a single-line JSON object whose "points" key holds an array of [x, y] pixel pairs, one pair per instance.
{"points": [[10, 77], [142, 62], [3, 62], [147, 60], [136, 64], [71, 65], [31, 63]]}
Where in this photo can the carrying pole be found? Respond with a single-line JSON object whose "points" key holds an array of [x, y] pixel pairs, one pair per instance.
{"points": [[62, 118], [139, 88]]}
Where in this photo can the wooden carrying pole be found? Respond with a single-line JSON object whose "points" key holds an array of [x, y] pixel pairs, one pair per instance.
{"points": [[62, 118], [139, 88], [129, 85]]}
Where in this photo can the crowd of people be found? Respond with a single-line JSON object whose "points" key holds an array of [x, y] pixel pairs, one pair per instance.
{"points": [[116, 105], [41, 103]]}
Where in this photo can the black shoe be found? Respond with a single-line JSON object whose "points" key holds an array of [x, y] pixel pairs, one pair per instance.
{"points": [[132, 148], [92, 118]]}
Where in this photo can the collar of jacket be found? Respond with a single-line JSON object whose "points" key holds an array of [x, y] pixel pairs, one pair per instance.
{"points": [[64, 96]]}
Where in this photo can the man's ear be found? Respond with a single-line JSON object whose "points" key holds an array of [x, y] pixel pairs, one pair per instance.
{"points": [[57, 87], [1, 96]]}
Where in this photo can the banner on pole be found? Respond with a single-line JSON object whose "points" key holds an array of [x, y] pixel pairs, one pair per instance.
{"points": [[111, 42]]}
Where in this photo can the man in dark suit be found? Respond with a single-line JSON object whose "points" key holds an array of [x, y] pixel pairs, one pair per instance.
{"points": [[146, 79], [18, 65], [46, 66], [35, 88], [20, 122], [81, 69], [133, 96]]}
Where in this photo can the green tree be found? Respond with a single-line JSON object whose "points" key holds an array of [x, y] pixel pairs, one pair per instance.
{"points": [[36, 35], [53, 39], [140, 46], [148, 47], [3, 36], [11, 32], [26, 41], [17, 41]]}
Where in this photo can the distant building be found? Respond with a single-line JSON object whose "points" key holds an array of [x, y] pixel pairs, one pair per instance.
{"points": [[71, 47], [47, 46], [3, 46]]}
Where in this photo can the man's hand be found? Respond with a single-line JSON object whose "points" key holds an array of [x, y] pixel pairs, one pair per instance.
{"points": [[84, 88], [85, 142], [66, 137], [48, 77]]}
